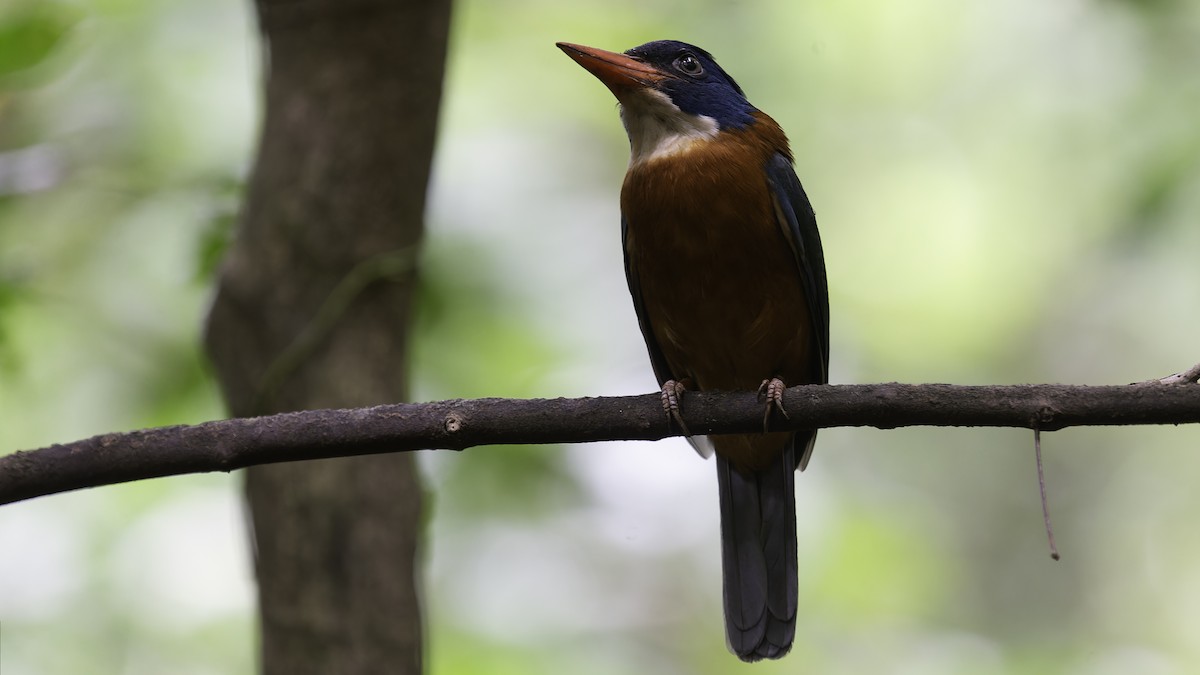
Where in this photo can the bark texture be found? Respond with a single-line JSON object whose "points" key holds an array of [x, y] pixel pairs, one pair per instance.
{"points": [[226, 445], [313, 310]]}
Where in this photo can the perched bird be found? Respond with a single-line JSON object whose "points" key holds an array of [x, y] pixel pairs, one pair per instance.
{"points": [[725, 267]]}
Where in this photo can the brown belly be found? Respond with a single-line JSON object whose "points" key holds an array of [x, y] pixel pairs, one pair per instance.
{"points": [[724, 298]]}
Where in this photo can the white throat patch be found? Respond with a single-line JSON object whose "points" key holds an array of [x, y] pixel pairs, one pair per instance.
{"points": [[657, 128]]}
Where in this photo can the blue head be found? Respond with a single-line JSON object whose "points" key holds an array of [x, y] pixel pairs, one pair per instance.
{"points": [[672, 94], [695, 82]]}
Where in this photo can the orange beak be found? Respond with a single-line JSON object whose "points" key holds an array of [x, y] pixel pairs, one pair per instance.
{"points": [[617, 71]]}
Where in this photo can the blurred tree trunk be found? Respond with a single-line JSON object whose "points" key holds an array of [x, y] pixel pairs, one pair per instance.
{"points": [[313, 310]]}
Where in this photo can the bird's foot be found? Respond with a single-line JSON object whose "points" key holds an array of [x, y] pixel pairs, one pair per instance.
{"points": [[771, 392], [672, 390]]}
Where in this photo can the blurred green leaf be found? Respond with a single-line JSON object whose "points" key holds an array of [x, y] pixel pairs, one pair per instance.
{"points": [[510, 481], [27, 38], [470, 338], [1170, 171], [12, 292], [225, 194]]}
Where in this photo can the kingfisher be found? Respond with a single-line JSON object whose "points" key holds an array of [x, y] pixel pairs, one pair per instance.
{"points": [[725, 267]]}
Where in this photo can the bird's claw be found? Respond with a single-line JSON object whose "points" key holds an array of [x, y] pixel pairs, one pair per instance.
{"points": [[771, 392], [672, 390]]}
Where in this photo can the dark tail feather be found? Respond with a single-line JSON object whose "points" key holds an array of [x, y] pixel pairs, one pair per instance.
{"points": [[758, 549]]}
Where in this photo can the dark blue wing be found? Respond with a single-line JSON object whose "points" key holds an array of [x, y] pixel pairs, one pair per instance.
{"points": [[799, 225]]}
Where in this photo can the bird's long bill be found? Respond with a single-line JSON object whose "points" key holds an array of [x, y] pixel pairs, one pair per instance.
{"points": [[617, 71]]}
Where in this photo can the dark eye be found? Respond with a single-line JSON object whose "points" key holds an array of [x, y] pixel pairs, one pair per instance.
{"points": [[689, 65]]}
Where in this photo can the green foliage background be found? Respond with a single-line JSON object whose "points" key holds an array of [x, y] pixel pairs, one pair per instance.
{"points": [[1008, 192]]}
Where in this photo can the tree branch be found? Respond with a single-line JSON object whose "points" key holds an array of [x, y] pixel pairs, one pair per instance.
{"points": [[232, 444]]}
